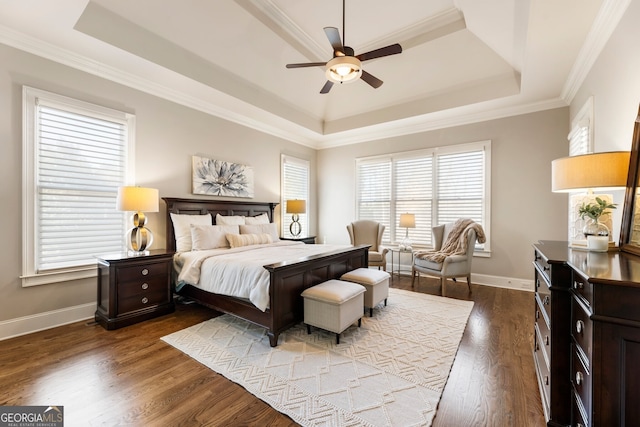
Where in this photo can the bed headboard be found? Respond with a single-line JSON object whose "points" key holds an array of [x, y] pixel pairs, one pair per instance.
{"points": [[204, 206]]}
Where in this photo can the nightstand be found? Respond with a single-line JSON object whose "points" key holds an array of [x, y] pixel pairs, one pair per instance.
{"points": [[133, 288], [309, 240]]}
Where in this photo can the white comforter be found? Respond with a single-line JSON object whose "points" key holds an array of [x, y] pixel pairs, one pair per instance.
{"points": [[239, 272]]}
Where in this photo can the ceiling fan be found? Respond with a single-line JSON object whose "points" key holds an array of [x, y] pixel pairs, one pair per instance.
{"points": [[346, 67]]}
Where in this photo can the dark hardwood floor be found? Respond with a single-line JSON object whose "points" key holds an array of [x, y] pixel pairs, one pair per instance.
{"points": [[130, 377]]}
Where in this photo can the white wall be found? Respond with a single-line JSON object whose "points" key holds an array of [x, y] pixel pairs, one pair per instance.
{"points": [[167, 135], [523, 208]]}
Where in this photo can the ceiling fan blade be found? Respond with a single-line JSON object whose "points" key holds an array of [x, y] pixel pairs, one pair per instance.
{"points": [[383, 51], [374, 82], [333, 34], [327, 87], [307, 64]]}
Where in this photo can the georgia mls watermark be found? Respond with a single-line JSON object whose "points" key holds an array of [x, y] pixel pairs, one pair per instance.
{"points": [[31, 416]]}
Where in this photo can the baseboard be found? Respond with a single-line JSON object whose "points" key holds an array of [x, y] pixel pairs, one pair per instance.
{"points": [[488, 280], [41, 321]]}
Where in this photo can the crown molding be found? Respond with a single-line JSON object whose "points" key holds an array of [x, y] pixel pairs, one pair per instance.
{"points": [[603, 26]]}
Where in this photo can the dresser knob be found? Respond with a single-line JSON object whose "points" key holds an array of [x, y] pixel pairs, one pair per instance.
{"points": [[579, 326], [145, 271], [577, 285], [537, 314], [579, 378], [546, 268], [546, 380], [546, 300], [145, 286], [546, 340], [537, 283], [145, 300], [579, 425]]}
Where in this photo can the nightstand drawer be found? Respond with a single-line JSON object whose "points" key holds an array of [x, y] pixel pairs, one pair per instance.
{"points": [[140, 301], [543, 266], [142, 271], [581, 327], [142, 286]]}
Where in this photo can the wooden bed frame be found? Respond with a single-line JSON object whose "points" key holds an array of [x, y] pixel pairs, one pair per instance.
{"points": [[287, 279]]}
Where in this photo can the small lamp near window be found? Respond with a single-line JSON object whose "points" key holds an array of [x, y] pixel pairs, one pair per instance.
{"points": [[586, 173], [296, 207], [138, 200], [407, 220]]}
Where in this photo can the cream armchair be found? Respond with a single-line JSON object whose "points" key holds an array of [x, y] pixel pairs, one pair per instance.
{"points": [[366, 232], [452, 266]]}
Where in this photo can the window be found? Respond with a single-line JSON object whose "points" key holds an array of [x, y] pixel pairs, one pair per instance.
{"points": [[437, 185], [75, 156], [295, 185]]}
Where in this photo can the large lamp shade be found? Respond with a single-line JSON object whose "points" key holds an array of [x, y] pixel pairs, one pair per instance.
{"points": [[590, 171]]}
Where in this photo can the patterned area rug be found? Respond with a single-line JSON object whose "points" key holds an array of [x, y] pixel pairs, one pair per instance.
{"points": [[389, 372]]}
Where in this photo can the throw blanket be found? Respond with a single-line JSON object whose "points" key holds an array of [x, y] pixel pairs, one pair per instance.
{"points": [[456, 243]]}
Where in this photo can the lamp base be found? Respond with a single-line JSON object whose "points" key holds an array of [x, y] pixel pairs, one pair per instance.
{"points": [[295, 228]]}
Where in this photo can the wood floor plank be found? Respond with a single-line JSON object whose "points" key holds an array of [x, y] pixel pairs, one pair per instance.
{"points": [[130, 377]]}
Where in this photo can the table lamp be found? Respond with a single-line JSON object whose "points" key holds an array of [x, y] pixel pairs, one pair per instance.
{"points": [[407, 220], [138, 200], [296, 207]]}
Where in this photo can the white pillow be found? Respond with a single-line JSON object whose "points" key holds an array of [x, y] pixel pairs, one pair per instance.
{"points": [[270, 228], [229, 220], [259, 219], [211, 236], [237, 240], [182, 229]]}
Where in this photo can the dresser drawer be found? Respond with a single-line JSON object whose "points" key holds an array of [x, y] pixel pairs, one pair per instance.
{"points": [[581, 328], [543, 301], [543, 266], [142, 271], [544, 381], [583, 289], [543, 336], [577, 412], [141, 301], [581, 381]]}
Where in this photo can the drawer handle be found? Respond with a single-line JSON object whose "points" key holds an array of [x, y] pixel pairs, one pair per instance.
{"points": [[546, 300], [537, 283], [537, 314], [577, 285], [579, 378], [145, 286], [145, 300], [546, 268], [579, 425], [537, 347], [546, 380], [579, 326], [145, 271], [546, 339]]}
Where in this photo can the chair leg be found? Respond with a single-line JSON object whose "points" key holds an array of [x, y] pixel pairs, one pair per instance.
{"points": [[413, 277], [469, 282], [442, 281]]}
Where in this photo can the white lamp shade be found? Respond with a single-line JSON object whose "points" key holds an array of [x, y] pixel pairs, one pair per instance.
{"points": [[137, 199], [590, 171], [407, 220], [296, 206], [344, 69]]}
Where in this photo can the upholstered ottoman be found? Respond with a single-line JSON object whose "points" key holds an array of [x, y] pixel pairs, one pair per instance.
{"points": [[376, 283], [333, 305]]}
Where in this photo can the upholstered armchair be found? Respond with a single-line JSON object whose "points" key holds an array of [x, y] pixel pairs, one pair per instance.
{"points": [[367, 232], [452, 266]]}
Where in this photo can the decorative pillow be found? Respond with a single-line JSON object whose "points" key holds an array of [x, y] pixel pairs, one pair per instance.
{"points": [[211, 236], [237, 240], [182, 229], [270, 228], [229, 220], [258, 219]]}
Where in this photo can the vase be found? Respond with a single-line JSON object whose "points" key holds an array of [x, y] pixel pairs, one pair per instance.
{"points": [[593, 227]]}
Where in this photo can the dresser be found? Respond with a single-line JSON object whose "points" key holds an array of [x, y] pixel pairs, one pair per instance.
{"points": [[133, 288], [587, 335]]}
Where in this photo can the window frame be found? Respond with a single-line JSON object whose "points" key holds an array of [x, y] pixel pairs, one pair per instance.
{"points": [[395, 233], [304, 218], [30, 98]]}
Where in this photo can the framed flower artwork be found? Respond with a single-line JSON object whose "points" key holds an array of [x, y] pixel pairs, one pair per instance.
{"points": [[219, 178]]}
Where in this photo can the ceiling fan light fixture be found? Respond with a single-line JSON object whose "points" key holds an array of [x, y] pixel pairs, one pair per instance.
{"points": [[344, 69]]}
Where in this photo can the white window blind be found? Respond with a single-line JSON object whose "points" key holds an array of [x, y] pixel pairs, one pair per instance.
{"points": [[295, 185], [76, 156], [436, 185]]}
